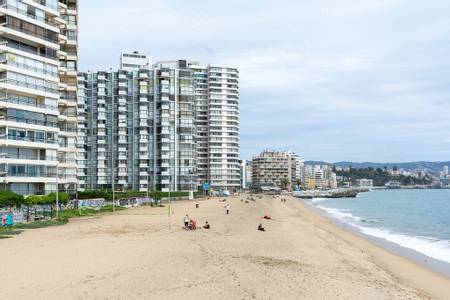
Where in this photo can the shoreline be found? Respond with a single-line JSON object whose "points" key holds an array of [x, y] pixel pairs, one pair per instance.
{"points": [[133, 254], [399, 260], [435, 265]]}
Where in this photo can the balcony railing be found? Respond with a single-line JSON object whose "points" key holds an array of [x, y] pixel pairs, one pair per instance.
{"points": [[5, 4], [32, 33], [30, 121], [28, 103], [28, 139], [67, 128], [27, 157], [49, 4], [32, 174], [32, 69], [27, 85]]}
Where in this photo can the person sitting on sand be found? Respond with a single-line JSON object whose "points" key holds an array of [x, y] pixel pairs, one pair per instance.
{"points": [[260, 227], [207, 225], [192, 224]]}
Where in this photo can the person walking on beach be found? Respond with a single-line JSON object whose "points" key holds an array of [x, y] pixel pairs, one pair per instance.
{"points": [[227, 208]]}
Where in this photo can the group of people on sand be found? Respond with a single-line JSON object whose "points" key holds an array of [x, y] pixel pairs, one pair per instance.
{"points": [[191, 224]]}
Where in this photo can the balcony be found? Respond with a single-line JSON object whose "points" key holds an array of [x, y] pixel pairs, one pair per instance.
{"points": [[31, 86], [25, 102], [5, 4]]}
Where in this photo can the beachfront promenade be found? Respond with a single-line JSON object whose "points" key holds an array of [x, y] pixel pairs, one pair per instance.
{"points": [[134, 255]]}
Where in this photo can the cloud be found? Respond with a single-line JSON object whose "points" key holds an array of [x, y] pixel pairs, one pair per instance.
{"points": [[331, 80]]}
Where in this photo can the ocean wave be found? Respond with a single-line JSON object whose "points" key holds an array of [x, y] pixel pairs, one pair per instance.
{"points": [[317, 200], [432, 247], [341, 214], [429, 246]]}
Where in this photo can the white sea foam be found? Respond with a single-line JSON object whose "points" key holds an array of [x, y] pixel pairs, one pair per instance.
{"points": [[317, 200], [431, 247], [341, 214], [438, 249]]}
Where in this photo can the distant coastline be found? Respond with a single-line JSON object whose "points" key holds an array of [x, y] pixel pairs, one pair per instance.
{"points": [[434, 167]]}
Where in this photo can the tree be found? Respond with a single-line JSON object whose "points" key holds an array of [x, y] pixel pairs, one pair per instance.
{"points": [[36, 200], [63, 198], [8, 198], [284, 183]]}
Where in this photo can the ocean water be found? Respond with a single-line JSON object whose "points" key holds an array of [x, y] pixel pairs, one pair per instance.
{"points": [[414, 219]]}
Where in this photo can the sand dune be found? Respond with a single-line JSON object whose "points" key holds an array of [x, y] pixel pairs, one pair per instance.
{"points": [[134, 255]]}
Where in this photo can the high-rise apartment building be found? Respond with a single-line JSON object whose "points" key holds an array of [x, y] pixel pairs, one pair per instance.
{"points": [[275, 169], [38, 95], [217, 122], [173, 126], [223, 136], [139, 128], [319, 177]]}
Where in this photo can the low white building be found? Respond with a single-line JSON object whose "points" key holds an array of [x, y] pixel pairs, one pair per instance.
{"points": [[364, 183]]}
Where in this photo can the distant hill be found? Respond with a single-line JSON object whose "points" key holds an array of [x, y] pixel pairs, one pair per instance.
{"points": [[433, 167]]}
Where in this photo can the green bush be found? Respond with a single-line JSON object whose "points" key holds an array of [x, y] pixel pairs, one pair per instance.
{"points": [[63, 198], [36, 200], [8, 198]]}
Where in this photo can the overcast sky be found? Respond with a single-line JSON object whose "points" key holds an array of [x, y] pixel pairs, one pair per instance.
{"points": [[331, 80]]}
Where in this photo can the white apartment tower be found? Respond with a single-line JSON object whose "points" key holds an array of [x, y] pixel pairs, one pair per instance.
{"points": [[217, 124], [173, 126], [138, 128], [38, 95]]}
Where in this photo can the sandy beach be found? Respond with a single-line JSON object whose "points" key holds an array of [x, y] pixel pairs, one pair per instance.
{"points": [[134, 255]]}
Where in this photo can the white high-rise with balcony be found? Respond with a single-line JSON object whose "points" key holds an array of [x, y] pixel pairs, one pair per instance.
{"points": [[38, 95], [173, 126], [217, 126], [223, 128]]}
